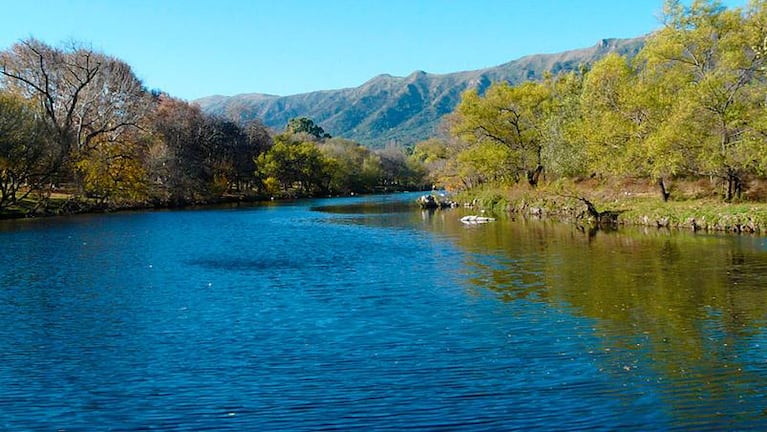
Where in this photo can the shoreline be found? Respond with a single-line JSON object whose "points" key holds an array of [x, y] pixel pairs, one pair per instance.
{"points": [[70, 206], [76, 206], [624, 208], [697, 215]]}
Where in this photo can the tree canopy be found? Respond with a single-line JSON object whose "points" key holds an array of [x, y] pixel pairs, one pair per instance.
{"points": [[78, 121], [690, 104]]}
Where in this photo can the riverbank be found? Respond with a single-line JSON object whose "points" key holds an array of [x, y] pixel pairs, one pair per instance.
{"points": [[68, 204], [692, 205], [64, 204]]}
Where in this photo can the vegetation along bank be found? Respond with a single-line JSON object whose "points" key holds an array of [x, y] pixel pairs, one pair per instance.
{"points": [[685, 116], [675, 135]]}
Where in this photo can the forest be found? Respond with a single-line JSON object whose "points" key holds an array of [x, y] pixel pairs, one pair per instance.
{"points": [[80, 132], [78, 124]]}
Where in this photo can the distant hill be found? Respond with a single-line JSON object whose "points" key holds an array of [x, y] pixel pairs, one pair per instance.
{"points": [[402, 109]]}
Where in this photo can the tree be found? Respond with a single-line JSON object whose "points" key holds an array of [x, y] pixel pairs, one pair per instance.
{"points": [[398, 170], [259, 138], [227, 154], [564, 147], [625, 116], [433, 154], [304, 125], [113, 169], [178, 159], [26, 152], [295, 165], [510, 117], [487, 162], [715, 57], [84, 94], [351, 166]]}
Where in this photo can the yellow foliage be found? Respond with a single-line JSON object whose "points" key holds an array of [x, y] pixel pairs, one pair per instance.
{"points": [[113, 170]]}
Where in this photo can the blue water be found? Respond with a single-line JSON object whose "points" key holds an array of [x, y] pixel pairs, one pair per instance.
{"points": [[358, 313]]}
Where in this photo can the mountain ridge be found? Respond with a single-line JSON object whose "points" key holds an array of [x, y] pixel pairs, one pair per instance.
{"points": [[405, 110]]}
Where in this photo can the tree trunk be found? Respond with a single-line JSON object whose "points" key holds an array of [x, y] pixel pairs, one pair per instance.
{"points": [[734, 185], [663, 189], [534, 176]]}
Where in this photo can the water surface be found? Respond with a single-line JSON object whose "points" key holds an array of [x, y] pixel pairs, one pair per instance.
{"points": [[362, 313]]}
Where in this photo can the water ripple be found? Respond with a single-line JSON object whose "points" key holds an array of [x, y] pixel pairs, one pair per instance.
{"points": [[285, 318]]}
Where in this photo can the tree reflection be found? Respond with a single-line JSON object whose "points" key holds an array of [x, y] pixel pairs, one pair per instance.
{"points": [[680, 310]]}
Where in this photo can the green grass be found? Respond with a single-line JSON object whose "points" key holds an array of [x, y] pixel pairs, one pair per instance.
{"points": [[637, 203], [705, 214]]}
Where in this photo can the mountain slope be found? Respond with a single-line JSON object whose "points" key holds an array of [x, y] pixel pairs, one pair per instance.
{"points": [[401, 109]]}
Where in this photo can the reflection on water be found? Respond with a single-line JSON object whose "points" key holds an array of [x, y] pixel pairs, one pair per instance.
{"points": [[367, 313], [683, 314]]}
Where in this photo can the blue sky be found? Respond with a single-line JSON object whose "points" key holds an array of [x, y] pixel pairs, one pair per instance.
{"points": [[195, 48]]}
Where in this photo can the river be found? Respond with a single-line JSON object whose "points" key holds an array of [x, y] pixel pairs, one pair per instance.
{"points": [[365, 313]]}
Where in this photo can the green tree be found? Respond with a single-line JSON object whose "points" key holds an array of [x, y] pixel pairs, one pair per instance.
{"points": [[487, 162], [433, 154], [610, 118], [564, 148], [304, 125], [625, 117], [712, 56], [350, 166], [510, 117], [298, 166]]}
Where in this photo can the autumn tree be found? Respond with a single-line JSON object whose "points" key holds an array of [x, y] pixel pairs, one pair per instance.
{"points": [[112, 169], [85, 95], [27, 155], [178, 159]]}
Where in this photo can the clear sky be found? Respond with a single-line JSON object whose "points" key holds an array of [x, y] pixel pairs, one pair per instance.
{"points": [[196, 48]]}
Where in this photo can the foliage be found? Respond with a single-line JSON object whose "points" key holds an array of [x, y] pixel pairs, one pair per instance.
{"points": [[433, 155], [564, 146], [691, 103], [112, 170], [298, 166], [294, 166], [352, 167], [306, 126], [509, 122], [76, 119], [397, 171], [708, 51], [26, 152]]}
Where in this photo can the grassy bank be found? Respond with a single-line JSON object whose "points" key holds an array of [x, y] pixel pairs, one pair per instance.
{"points": [[692, 205]]}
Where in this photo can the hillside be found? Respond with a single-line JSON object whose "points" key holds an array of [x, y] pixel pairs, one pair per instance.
{"points": [[402, 109]]}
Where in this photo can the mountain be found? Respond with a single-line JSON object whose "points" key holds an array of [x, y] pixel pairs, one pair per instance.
{"points": [[401, 109]]}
